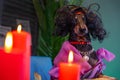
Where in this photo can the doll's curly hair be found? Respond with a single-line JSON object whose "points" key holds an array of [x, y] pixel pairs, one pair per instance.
{"points": [[65, 21]]}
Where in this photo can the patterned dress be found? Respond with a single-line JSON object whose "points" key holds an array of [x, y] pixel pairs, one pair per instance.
{"points": [[86, 68]]}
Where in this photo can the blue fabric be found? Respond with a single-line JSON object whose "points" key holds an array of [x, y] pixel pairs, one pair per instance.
{"points": [[41, 66]]}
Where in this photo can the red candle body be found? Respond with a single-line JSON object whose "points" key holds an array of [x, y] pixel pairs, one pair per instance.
{"points": [[22, 40], [11, 65], [69, 71]]}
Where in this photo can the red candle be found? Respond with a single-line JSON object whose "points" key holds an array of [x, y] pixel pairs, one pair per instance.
{"points": [[16, 58], [22, 40], [11, 61], [69, 71]]}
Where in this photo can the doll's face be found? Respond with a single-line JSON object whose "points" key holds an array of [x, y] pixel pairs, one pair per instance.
{"points": [[80, 28]]}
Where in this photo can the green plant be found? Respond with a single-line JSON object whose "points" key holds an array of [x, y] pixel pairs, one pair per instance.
{"points": [[49, 45]]}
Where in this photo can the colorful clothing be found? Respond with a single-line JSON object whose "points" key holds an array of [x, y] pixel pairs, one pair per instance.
{"points": [[87, 69]]}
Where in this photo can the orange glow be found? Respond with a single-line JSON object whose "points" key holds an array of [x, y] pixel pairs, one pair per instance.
{"points": [[70, 57], [8, 42], [19, 28]]}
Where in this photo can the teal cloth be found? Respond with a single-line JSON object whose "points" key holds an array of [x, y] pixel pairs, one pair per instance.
{"points": [[40, 65]]}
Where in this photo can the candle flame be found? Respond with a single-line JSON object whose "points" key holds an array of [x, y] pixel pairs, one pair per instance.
{"points": [[8, 42], [70, 57], [19, 28]]}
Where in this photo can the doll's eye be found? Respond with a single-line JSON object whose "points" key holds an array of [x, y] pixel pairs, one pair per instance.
{"points": [[76, 17], [83, 18]]}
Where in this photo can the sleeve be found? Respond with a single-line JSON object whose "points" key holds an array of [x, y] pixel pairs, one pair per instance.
{"points": [[103, 53], [62, 56]]}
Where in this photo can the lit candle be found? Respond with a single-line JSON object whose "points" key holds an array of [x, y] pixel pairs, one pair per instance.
{"points": [[8, 42], [11, 61], [22, 40], [15, 59], [70, 70]]}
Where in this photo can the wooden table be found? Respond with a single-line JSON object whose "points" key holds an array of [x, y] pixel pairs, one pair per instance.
{"points": [[103, 77]]}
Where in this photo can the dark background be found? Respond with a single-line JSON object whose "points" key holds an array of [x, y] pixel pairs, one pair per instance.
{"points": [[12, 10]]}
